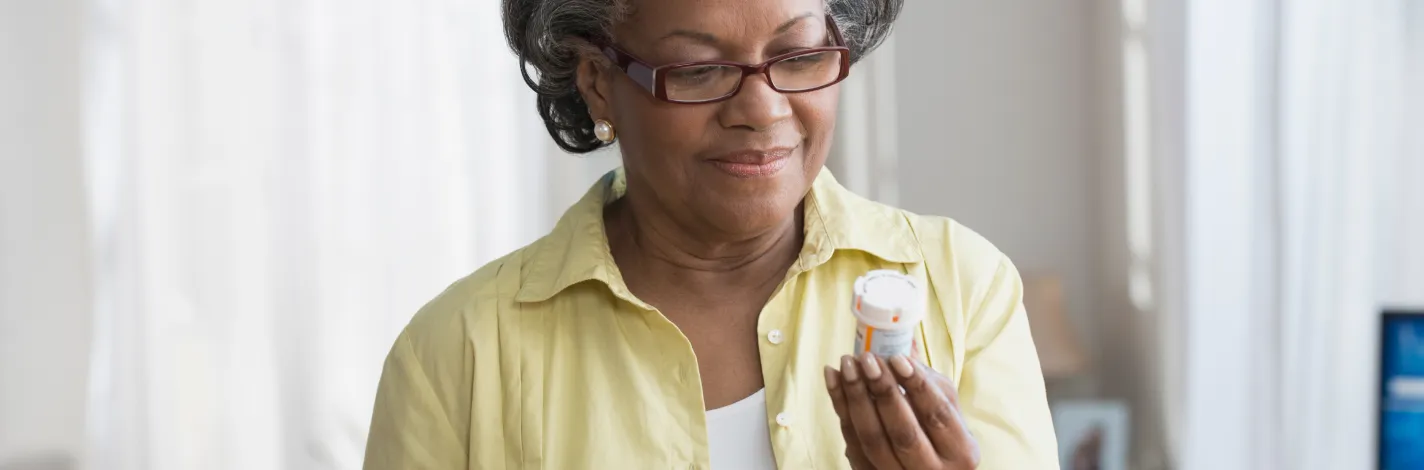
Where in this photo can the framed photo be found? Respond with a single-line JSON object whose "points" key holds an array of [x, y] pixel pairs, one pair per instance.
{"points": [[1092, 434]]}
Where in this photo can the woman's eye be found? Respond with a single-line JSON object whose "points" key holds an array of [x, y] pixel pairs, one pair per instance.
{"points": [[695, 74], [808, 58], [699, 71]]}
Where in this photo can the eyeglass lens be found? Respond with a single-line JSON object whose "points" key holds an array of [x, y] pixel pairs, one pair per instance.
{"points": [[702, 82]]}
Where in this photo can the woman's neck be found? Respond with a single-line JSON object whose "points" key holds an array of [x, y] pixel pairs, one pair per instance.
{"points": [[651, 246]]}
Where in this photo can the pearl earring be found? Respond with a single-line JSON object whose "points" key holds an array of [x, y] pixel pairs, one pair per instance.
{"points": [[603, 130]]}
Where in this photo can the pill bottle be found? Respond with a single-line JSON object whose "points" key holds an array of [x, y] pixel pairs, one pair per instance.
{"points": [[888, 307]]}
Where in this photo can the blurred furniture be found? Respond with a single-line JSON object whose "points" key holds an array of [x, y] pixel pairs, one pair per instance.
{"points": [[1060, 354], [1092, 434]]}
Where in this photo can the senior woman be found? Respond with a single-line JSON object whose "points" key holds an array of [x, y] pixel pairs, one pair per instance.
{"points": [[693, 309]]}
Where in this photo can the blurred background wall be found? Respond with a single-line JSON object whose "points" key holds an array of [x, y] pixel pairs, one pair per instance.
{"points": [[998, 105]]}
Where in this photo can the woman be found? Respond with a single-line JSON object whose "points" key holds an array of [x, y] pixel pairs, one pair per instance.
{"points": [[683, 314]]}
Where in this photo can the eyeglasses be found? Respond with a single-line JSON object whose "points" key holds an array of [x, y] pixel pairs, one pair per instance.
{"points": [[712, 81]]}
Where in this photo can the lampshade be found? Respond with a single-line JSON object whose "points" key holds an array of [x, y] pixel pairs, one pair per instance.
{"points": [[1059, 352]]}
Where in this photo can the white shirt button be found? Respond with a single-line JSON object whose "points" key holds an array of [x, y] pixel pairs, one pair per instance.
{"points": [[783, 419], [775, 337]]}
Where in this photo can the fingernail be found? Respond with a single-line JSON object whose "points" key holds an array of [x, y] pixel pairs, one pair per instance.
{"points": [[848, 369], [902, 366], [830, 378], [872, 367]]}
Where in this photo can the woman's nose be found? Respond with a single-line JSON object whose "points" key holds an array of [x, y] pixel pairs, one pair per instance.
{"points": [[756, 106]]}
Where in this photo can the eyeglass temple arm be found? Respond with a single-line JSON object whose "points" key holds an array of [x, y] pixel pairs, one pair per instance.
{"points": [[835, 31], [641, 73]]}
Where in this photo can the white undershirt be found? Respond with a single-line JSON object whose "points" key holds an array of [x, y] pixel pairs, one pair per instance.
{"points": [[738, 436]]}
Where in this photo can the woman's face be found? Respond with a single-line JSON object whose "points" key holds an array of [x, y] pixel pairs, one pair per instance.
{"points": [[739, 166]]}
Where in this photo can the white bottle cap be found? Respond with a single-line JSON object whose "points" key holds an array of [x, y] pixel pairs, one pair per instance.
{"points": [[888, 300]]}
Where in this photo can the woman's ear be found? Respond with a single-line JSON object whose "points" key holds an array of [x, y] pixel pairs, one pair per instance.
{"points": [[595, 83]]}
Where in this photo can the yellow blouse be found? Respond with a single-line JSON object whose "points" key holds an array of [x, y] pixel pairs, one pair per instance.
{"points": [[543, 359]]}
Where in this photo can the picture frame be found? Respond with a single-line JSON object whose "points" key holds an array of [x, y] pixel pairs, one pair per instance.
{"points": [[1092, 434]]}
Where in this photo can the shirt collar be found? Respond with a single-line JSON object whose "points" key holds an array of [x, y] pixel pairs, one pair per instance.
{"points": [[835, 219]]}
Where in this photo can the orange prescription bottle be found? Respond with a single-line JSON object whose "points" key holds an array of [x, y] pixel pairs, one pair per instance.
{"points": [[888, 307]]}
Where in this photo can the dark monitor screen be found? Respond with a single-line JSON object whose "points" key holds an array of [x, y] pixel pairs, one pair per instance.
{"points": [[1401, 419]]}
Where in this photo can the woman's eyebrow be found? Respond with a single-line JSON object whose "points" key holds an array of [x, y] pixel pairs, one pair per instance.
{"points": [[792, 22], [705, 37]]}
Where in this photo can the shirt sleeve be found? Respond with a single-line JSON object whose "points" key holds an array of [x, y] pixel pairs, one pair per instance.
{"points": [[1001, 391], [412, 426]]}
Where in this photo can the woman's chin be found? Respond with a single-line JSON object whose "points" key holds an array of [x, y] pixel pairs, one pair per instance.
{"points": [[752, 218], [751, 206]]}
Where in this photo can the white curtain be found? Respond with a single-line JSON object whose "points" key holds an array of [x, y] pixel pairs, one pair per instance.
{"points": [[276, 186], [1302, 209]]}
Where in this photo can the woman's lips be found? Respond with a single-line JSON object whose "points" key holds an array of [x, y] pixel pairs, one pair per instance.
{"points": [[753, 163]]}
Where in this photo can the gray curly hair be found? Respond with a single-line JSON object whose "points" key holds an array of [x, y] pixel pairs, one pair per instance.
{"points": [[549, 36]]}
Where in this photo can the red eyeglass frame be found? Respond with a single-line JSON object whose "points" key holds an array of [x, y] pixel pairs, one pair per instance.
{"points": [[653, 78]]}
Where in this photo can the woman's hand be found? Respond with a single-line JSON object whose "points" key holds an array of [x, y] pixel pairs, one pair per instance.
{"points": [[885, 429]]}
